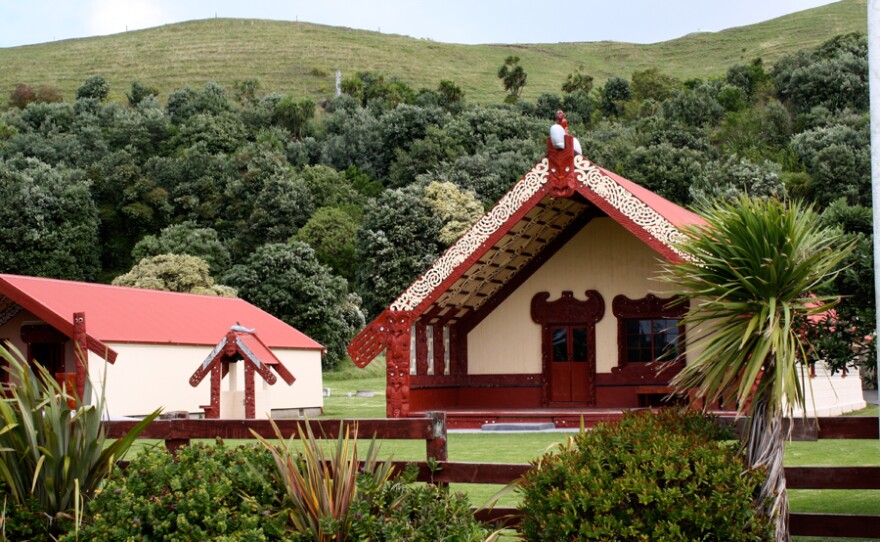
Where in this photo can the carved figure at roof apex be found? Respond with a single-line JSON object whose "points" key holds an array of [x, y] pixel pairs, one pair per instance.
{"points": [[558, 132]]}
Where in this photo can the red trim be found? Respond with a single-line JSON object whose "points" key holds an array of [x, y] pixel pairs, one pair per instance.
{"points": [[439, 351], [250, 410], [421, 348], [80, 352], [218, 371], [646, 307], [561, 176], [624, 221], [478, 381], [370, 342]]}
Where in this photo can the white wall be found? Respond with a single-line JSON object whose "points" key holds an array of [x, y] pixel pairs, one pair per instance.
{"points": [[829, 395], [146, 377]]}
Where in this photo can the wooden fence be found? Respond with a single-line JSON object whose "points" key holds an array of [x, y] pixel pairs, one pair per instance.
{"points": [[437, 468]]}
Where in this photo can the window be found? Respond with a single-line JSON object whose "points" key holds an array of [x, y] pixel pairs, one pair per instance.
{"points": [[652, 339], [569, 344], [649, 329]]}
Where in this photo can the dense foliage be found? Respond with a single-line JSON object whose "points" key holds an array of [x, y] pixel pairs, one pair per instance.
{"points": [[219, 492], [54, 454], [650, 476], [216, 173], [205, 493]]}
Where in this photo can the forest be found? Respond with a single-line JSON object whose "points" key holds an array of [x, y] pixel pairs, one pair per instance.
{"points": [[321, 213]]}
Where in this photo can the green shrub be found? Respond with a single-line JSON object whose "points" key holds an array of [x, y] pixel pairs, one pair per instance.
{"points": [[401, 511], [651, 476], [208, 493]]}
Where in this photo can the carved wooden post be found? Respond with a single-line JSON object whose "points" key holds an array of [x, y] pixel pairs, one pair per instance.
{"points": [[421, 348], [439, 351], [81, 353], [216, 377], [399, 326], [250, 409]]}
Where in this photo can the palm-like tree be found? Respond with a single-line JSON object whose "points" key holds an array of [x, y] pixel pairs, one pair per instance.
{"points": [[754, 273]]}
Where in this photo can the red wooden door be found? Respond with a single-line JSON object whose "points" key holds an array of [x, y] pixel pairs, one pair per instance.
{"points": [[570, 375]]}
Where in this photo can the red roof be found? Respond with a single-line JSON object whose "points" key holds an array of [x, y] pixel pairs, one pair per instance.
{"points": [[116, 314]]}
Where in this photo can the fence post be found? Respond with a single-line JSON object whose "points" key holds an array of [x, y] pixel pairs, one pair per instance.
{"points": [[436, 443]]}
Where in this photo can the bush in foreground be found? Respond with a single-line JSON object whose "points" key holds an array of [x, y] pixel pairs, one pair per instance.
{"points": [[208, 493], [652, 476]]}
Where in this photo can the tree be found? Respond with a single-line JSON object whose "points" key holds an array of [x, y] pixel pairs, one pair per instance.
{"points": [[514, 78], [397, 240], [50, 222], [613, 96], [751, 274], [186, 238], [21, 96], [287, 281], [652, 84], [294, 114], [451, 95], [246, 90], [174, 273], [331, 233], [456, 209], [139, 92], [95, 87], [578, 81]]}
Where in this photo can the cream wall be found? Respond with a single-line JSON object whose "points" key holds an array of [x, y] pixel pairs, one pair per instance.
{"points": [[146, 376], [603, 256]]}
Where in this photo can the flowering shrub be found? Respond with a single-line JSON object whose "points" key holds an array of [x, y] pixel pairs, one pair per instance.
{"points": [[651, 476]]}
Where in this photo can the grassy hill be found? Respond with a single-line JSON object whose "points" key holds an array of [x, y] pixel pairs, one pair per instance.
{"points": [[301, 58]]}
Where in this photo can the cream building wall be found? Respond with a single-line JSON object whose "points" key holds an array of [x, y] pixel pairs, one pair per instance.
{"points": [[603, 256], [146, 376]]}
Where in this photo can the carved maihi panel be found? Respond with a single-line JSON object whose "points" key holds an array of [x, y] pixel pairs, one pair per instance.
{"points": [[567, 309], [627, 204], [471, 241]]}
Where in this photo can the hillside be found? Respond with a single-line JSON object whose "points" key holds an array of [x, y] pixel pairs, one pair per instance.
{"points": [[301, 58]]}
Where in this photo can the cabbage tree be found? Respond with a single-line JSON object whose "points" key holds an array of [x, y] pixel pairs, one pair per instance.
{"points": [[754, 273]]}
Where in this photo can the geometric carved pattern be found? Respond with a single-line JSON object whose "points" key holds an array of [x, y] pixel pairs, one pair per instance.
{"points": [[627, 204], [369, 343], [473, 239]]}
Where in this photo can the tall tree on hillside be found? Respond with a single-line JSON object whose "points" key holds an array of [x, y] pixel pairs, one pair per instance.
{"points": [[751, 275], [514, 78]]}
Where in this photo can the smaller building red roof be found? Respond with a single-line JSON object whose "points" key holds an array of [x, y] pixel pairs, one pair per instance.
{"points": [[116, 314]]}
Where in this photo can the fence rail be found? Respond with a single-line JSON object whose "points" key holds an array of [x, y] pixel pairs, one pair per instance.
{"points": [[437, 468]]}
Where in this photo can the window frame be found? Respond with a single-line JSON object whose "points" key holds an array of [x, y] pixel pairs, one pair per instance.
{"points": [[652, 308]]}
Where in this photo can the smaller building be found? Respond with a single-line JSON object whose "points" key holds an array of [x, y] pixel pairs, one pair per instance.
{"points": [[153, 341]]}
